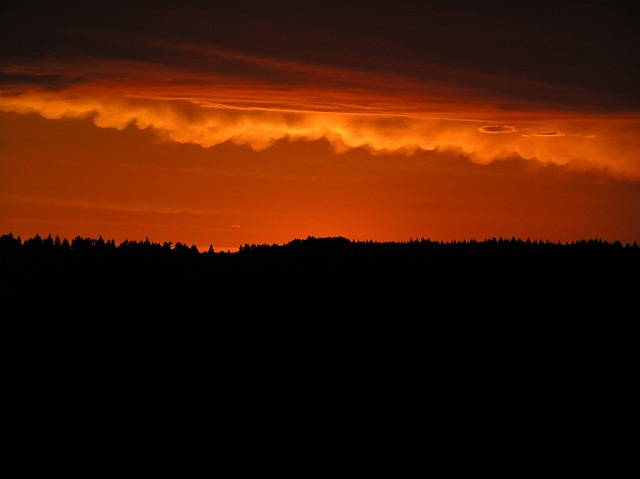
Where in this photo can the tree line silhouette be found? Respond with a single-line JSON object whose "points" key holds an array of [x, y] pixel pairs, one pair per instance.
{"points": [[405, 357]]}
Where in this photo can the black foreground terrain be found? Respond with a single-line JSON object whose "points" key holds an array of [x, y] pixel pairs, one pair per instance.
{"points": [[319, 358]]}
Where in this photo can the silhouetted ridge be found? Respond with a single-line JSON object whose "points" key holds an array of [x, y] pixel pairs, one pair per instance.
{"points": [[410, 357], [9, 244]]}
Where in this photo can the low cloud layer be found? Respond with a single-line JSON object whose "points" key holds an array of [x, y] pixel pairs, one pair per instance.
{"points": [[597, 143], [222, 96]]}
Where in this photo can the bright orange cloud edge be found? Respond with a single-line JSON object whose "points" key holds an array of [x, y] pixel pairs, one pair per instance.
{"points": [[209, 110]]}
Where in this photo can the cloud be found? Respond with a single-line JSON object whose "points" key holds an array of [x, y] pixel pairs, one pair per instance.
{"points": [[497, 129], [51, 82], [207, 124], [123, 207], [186, 109], [550, 133]]}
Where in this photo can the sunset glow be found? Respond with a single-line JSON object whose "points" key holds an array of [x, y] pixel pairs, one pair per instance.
{"points": [[205, 141]]}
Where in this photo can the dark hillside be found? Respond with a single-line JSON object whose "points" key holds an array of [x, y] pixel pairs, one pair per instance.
{"points": [[324, 356]]}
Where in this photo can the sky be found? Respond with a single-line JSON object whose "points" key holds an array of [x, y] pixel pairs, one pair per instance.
{"points": [[257, 122]]}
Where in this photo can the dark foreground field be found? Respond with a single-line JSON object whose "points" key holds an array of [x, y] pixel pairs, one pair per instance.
{"points": [[319, 358]]}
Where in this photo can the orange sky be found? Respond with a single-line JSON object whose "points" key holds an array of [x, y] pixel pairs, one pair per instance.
{"points": [[198, 135]]}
